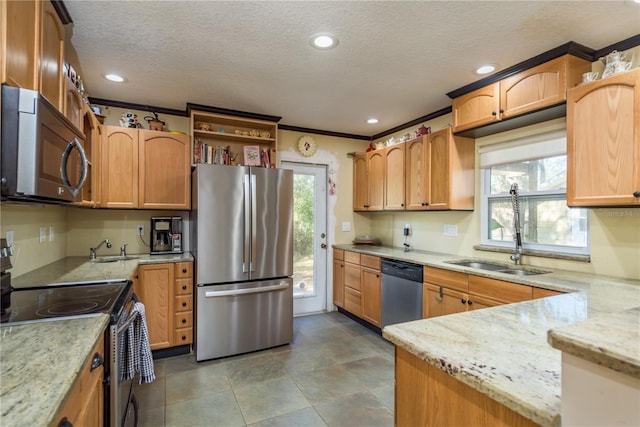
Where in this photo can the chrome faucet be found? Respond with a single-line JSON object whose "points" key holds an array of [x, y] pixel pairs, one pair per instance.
{"points": [[123, 250], [515, 201], [92, 251]]}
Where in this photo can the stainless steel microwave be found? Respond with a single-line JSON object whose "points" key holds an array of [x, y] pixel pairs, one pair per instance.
{"points": [[42, 155]]}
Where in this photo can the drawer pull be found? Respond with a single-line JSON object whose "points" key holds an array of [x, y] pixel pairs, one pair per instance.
{"points": [[184, 337], [184, 320], [184, 304], [184, 270], [184, 287]]}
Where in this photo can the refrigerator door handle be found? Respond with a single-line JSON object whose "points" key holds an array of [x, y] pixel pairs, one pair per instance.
{"points": [[235, 292], [253, 223], [247, 225]]}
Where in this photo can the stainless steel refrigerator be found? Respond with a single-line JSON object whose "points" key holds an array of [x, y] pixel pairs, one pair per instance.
{"points": [[242, 240]]}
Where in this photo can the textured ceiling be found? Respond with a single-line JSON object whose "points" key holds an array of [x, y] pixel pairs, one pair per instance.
{"points": [[395, 60]]}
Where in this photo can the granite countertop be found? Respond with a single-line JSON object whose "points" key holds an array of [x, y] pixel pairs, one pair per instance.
{"points": [[503, 351], [39, 363], [82, 269]]}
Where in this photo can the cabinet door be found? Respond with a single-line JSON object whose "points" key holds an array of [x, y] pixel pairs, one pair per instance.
{"points": [[532, 89], [417, 174], [51, 55], [371, 293], [499, 290], [20, 48], [119, 167], [338, 283], [603, 142], [72, 103], [439, 168], [360, 183], [394, 177], [154, 287], [476, 108], [164, 171], [376, 174], [90, 194], [440, 301]]}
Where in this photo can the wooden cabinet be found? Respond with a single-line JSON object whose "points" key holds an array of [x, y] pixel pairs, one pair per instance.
{"points": [[371, 285], [20, 43], [369, 181], [352, 287], [536, 88], [448, 292], [360, 182], [394, 192], [155, 288], [418, 176], [119, 166], [85, 403], [603, 142], [183, 291], [51, 56], [145, 169], [338, 278], [428, 396], [164, 171], [166, 290], [90, 194], [211, 131]]}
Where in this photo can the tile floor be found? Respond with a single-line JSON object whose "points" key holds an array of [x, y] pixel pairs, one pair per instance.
{"points": [[334, 373]]}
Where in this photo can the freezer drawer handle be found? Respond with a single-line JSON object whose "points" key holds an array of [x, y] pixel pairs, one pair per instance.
{"points": [[233, 292]]}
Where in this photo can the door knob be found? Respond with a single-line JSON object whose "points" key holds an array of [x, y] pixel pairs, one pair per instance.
{"points": [[323, 246], [323, 235]]}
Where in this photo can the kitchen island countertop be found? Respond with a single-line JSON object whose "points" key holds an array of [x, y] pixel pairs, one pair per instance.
{"points": [[39, 363], [504, 351]]}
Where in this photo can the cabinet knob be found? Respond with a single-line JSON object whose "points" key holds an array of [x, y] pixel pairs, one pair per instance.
{"points": [[464, 301], [184, 287], [184, 304], [501, 111], [377, 275], [184, 320], [636, 194], [424, 204], [184, 270], [65, 423], [402, 204], [493, 113], [469, 302], [184, 337]]}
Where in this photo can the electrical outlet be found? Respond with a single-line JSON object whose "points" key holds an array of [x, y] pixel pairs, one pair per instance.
{"points": [[140, 230], [407, 229], [51, 233], [346, 226], [9, 237], [43, 234]]}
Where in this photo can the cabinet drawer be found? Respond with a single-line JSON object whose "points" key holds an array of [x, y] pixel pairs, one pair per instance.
{"points": [[183, 270], [353, 301], [184, 303], [338, 254], [352, 257], [370, 261], [499, 290], [352, 276], [184, 286], [184, 319], [450, 279], [183, 336]]}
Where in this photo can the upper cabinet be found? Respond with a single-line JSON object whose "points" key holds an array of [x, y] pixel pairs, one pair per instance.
{"points": [[89, 125], [222, 139], [603, 142], [432, 172], [51, 56], [530, 90], [145, 169]]}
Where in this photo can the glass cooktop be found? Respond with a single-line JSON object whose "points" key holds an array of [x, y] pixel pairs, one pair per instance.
{"points": [[47, 303]]}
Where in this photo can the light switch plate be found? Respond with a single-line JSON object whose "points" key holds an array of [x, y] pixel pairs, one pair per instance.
{"points": [[450, 230], [346, 226]]}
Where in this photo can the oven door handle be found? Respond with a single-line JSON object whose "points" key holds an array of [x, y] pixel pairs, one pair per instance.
{"points": [[234, 292], [128, 323]]}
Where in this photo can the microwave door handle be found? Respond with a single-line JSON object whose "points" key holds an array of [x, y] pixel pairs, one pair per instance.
{"points": [[246, 223], [63, 166]]}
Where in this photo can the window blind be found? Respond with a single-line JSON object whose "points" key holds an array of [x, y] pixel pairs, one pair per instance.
{"points": [[534, 147]]}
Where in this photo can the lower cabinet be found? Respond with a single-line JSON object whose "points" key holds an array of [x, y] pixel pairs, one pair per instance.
{"points": [[338, 278], [166, 290], [85, 404], [357, 285], [371, 295]]}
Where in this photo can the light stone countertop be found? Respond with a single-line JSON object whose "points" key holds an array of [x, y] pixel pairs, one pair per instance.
{"points": [[39, 363], [503, 351], [81, 269]]}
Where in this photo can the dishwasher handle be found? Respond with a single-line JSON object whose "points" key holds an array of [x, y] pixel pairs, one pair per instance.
{"points": [[236, 292]]}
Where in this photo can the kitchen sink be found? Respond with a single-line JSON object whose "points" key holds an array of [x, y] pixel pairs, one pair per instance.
{"points": [[479, 265], [518, 272], [102, 260]]}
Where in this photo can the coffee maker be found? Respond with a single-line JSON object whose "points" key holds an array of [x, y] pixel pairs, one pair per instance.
{"points": [[166, 235]]}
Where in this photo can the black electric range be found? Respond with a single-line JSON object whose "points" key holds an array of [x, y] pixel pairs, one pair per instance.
{"points": [[70, 300]]}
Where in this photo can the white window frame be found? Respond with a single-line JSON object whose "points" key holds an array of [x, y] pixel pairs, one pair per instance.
{"points": [[532, 148]]}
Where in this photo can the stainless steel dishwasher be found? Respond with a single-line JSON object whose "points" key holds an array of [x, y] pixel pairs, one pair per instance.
{"points": [[401, 292]]}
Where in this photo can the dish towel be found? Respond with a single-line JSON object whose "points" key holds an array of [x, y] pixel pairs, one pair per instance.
{"points": [[137, 352]]}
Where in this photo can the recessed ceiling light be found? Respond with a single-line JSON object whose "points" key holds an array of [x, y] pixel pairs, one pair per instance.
{"points": [[323, 41], [485, 69], [114, 78], [372, 121]]}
